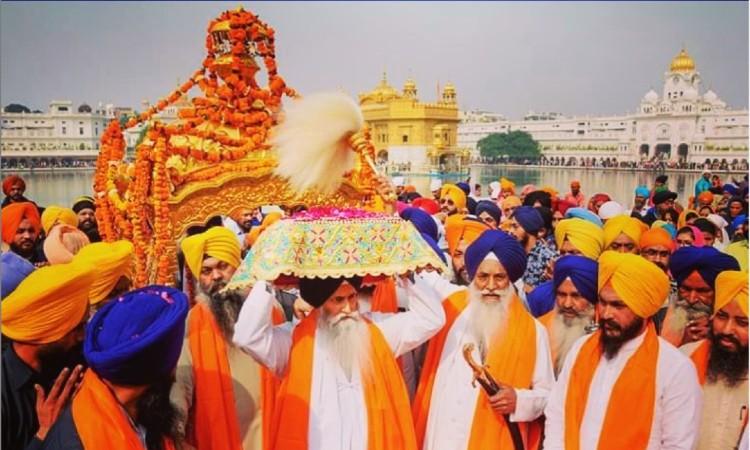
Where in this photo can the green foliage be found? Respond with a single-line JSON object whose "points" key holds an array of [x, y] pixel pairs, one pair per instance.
{"points": [[516, 144]]}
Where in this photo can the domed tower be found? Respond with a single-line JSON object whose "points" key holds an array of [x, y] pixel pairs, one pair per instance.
{"points": [[681, 79], [410, 88], [84, 109], [449, 94]]}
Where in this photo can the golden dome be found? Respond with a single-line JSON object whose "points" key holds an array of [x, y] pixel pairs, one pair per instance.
{"points": [[449, 88], [410, 85], [682, 63]]}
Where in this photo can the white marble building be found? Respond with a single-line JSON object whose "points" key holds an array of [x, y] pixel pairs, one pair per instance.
{"points": [[681, 124]]}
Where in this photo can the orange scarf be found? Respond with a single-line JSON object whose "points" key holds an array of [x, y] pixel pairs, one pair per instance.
{"points": [[511, 362], [700, 359], [627, 423], [214, 418], [101, 421], [384, 296], [389, 424]]}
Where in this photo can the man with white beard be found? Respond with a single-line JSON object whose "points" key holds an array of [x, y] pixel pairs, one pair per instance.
{"points": [[449, 412], [574, 290], [341, 387]]}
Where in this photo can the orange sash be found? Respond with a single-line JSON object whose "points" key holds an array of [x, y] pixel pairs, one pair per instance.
{"points": [[100, 420], [700, 359], [389, 424], [214, 416], [627, 423], [511, 362], [384, 296]]}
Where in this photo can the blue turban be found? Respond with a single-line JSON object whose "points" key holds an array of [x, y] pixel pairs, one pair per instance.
{"points": [[433, 244], [14, 270], [671, 229], [464, 187], [504, 246], [490, 208], [529, 219], [423, 222], [739, 220], [542, 299], [136, 339], [585, 214], [708, 261], [582, 271], [642, 191], [732, 189]]}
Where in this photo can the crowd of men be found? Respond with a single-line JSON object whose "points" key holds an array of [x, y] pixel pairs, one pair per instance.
{"points": [[602, 325]]}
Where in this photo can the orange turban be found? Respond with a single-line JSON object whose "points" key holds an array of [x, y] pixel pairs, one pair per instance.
{"points": [[731, 285], [409, 188], [459, 228], [49, 303], [10, 180], [254, 234], [63, 242], [13, 215], [657, 236], [54, 214], [455, 193], [705, 198], [111, 261], [640, 284], [632, 227], [216, 242], [510, 202]]}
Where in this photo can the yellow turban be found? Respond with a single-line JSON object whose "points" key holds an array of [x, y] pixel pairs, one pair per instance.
{"points": [[632, 227], [254, 234], [455, 193], [507, 185], [510, 201], [57, 214], [459, 228], [217, 242], [48, 303], [731, 285], [640, 284], [584, 235], [111, 261]]}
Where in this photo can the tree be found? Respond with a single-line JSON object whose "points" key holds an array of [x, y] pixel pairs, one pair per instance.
{"points": [[516, 145], [16, 108]]}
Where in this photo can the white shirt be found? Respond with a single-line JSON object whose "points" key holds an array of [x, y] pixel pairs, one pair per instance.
{"points": [[678, 399], [454, 398], [338, 415]]}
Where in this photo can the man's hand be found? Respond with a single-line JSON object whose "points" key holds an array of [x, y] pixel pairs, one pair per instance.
{"points": [[301, 308], [504, 402], [48, 407], [695, 330]]}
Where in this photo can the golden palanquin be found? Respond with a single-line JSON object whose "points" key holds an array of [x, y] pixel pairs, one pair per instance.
{"points": [[214, 159]]}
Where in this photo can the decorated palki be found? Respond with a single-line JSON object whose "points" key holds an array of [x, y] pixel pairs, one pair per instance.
{"points": [[329, 242], [220, 155]]}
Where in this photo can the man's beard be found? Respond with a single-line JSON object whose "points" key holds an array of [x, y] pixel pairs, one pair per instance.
{"points": [[726, 365], [683, 312], [565, 331], [246, 226], [87, 224], [157, 414], [461, 277], [347, 339], [612, 344], [487, 319], [212, 289], [225, 307], [54, 357]]}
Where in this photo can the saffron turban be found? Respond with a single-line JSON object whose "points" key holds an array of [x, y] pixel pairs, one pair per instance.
{"points": [[49, 303], [631, 227], [461, 228], [14, 270], [410, 189], [575, 183], [490, 208], [683, 217], [63, 242], [708, 261], [642, 191], [507, 185], [731, 285], [13, 214], [510, 202], [216, 242], [505, 247], [428, 205], [454, 193], [639, 283], [542, 299], [585, 214], [10, 180], [582, 234], [610, 209], [111, 261], [529, 219], [706, 198], [84, 202], [54, 214], [255, 232], [423, 222], [316, 291], [137, 340], [656, 236], [583, 272]]}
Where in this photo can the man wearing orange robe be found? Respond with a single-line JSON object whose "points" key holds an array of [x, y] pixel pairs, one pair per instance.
{"points": [[449, 412], [624, 387]]}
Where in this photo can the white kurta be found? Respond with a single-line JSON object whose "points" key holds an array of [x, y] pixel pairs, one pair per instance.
{"points": [[678, 399], [454, 399], [338, 415]]}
